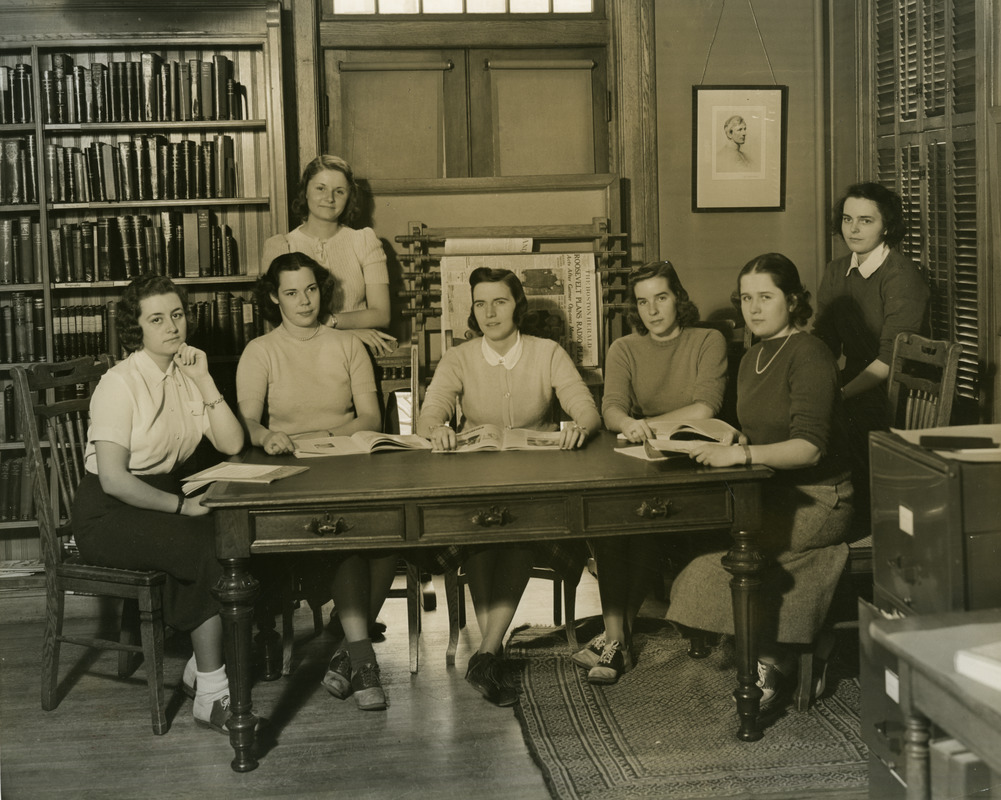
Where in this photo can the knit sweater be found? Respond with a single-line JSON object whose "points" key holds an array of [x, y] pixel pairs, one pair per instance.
{"points": [[646, 377], [860, 317]]}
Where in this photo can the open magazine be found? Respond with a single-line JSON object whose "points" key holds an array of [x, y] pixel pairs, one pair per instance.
{"points": [[238, 473], [491, 437], [357, 443], [675, 439]]}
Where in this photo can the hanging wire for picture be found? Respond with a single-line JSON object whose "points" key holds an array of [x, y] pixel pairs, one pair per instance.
{"points": [[754, 19]]}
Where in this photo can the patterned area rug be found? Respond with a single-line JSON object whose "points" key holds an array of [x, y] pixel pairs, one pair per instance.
{"points": [[666, 729]]}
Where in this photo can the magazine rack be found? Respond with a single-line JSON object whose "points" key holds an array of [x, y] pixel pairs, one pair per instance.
{"points": [[422, 277]]}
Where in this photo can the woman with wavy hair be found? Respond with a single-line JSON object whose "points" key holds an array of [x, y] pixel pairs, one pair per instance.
{"points": [[147, 415], [787, 400], [327, 202], [666, 370]]}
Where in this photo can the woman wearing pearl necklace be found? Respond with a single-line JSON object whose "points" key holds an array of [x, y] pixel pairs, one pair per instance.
{"points": [[318, 380], [787, 399]]}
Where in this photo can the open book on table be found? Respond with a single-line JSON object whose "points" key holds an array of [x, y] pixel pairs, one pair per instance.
{"points": [[981, 663], [677, 439], [492, 437], [238, 473], [357, 443]]}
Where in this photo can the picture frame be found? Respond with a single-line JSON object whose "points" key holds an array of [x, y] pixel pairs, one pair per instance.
{"points": [[739, 148]]}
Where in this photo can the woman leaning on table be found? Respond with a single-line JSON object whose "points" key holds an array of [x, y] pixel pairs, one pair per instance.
{"points": [[508, 379], [665, 370], [327, 201], [147, 416], [318, 380], [787, 397]]}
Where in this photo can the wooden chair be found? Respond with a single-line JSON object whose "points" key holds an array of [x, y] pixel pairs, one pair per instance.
{"points": [[65, 420], [920, 392]]}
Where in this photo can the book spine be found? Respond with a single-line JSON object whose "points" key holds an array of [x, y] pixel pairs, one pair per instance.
{"points": [[225, 183], [184, 91], [133, 91], [151, 66], [49, 112], [38, 328], [87, 251], [103, 253], [116, 86], [99, 79], [7, 96], [56, 254], [13, 171], [6, 250], [22, 333], [204, 242], [144, 181], [76, 254], [23, 97], [129, 170], [223, 72], [31, 168], [7, 323], [81, 85], [195, 88], [208, 90], [26, 251]]}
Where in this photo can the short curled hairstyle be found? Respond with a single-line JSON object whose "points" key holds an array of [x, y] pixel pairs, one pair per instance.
{"points": [[352, 209], [129, 309], [786, 277], [509, 279], [268, 283], [686, 310], [890, 206]]}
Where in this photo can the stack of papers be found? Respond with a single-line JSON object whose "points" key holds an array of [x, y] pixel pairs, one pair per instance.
{"points": [[238, 473]]}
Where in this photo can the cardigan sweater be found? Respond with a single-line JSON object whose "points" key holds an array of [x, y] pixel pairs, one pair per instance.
{"points": [[517, 398]]}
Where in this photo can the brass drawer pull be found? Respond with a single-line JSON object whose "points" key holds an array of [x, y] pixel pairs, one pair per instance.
{"points": [[653, 510], [328, 525], [494, 517]]}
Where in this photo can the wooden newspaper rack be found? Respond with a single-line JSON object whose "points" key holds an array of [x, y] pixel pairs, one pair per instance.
{"points": [[421, 261]]}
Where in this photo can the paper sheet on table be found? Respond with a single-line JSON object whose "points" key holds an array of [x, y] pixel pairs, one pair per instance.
{"points": [[240, 473], [476, 247], [993, 432]]}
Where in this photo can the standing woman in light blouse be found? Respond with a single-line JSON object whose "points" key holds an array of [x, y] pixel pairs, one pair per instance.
{"points": [[666, 370], [506, 379], [147, 416], [327, 202]]}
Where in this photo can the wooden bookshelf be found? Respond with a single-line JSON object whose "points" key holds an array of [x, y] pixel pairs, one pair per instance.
{"points": [[99, 176]]}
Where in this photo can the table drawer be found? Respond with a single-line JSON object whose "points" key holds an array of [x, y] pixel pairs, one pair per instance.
{"points": [[368, 527], [539, 517], [657, 509]]}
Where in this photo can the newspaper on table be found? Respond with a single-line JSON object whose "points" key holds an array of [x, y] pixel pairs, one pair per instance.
{"points": [[562, 294]]}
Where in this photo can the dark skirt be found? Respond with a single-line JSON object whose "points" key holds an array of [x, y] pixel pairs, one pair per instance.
{"points": [[111, 533]]}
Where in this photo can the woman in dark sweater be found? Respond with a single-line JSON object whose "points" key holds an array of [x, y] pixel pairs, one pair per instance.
{"points": [[787, 396], [865, 299]]}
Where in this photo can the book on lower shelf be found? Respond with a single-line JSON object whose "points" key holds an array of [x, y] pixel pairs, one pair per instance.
{"points": [[238, 473], [982, 663], [357, 443]]}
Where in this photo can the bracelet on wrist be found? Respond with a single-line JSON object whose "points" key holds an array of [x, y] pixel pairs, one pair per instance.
{"points": [[214, 403], [747, 455], [180, 503]]}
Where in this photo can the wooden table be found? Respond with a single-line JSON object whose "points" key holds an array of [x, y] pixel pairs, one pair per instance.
{"points": [[930, 688], [412, 499]]}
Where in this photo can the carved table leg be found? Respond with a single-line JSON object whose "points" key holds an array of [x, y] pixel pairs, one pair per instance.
{"points": [[744, 563], [916, 735], [236, 591]]}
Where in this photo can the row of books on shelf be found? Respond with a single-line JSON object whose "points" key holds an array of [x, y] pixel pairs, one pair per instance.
{"points": [[187, 244], [220, 326], [17, 497], [151, 89], [22, 328], [20, 250], [18, 177], [149, 167], [16, 95]]}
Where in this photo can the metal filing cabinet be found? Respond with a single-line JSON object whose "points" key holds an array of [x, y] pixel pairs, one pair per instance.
{"points": [[936, 538]]}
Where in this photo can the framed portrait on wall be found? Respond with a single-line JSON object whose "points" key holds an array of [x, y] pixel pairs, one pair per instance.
{"points": [[739, 148]]}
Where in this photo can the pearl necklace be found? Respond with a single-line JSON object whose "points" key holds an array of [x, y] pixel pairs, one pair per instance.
{"points": [[758, 369], [316, 330]]}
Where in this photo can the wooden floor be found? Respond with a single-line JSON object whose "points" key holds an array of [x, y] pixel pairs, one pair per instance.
{"points": [[438, 739]]}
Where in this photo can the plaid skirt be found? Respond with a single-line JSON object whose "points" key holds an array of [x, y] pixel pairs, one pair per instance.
{"points": [[565, 556]]}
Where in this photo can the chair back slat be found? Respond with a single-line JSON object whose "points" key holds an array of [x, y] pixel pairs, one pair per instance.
{"points": [[55, 398], [922, 381]]}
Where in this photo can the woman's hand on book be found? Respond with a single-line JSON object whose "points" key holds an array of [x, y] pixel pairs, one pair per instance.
{"points": [[638, 430], [712, 454], [442, 438], [277, 443], [572, 436]]}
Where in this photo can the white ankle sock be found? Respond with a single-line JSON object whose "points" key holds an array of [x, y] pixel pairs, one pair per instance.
{"points": [[210, 686]]}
